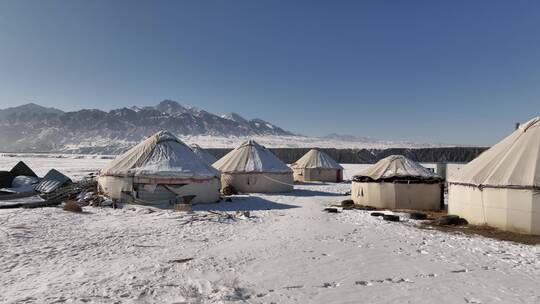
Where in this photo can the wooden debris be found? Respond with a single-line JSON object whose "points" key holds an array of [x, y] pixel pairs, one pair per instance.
{"points": [[183, 207], [72, 206], [181, 260]]}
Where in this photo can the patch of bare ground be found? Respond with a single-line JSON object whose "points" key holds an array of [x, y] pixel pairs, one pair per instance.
{"points": [[484, 231]]}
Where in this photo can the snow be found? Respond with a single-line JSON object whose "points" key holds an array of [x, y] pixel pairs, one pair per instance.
{"points": [[251, 157], [276, 141], [397, 166], [316, 159], [286, 251]]}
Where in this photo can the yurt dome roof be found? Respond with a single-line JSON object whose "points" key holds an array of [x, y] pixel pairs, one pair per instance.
{"points": [[514, 162], [251, 157], [396, 167], [316, 158], [203, 154], [161, 154]]}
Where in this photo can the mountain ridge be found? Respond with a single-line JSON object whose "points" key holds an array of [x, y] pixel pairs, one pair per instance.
{"points": [[31, 127]]}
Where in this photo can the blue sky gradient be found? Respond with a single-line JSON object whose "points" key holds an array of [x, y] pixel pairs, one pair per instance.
{"points": [[428, 71]]}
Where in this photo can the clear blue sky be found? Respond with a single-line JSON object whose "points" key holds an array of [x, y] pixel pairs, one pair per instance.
{"points": [[429, 71]]}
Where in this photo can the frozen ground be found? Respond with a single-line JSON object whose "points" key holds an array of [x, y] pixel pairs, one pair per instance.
{"points": [[288, 251]]}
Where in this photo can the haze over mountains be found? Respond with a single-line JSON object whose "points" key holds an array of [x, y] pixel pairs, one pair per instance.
{"points": [[34, 128]]}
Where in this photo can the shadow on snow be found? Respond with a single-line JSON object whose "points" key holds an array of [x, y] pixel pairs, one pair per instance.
{"points": [[244, 203]]}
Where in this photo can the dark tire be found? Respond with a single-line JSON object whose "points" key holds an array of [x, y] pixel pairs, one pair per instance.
{"points": [[391, 218], [449, 220], [331, 210], [347, 203], [229, 190], [377, 214], [418, 216]]}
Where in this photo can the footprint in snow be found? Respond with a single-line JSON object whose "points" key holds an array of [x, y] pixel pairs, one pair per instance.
{"points": [[460, 270], [385, 281], [330, 285]]}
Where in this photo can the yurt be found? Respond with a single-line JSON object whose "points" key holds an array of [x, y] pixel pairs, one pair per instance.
{"points": [[397, 182], [501, 187], [317, 166], [159, 170], [251, 167], [203, 154]]}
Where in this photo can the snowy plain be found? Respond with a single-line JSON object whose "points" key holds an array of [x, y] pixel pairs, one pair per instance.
{"points": [[287, 251]]}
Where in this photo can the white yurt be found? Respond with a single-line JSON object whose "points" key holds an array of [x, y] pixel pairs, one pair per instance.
{"points": [[501, 187], [251, 167], [397, 182], [159, 170], [316, 165], [203, 154]]}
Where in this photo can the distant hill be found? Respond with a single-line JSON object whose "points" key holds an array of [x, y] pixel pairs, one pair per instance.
{"points": [[32, 127]]}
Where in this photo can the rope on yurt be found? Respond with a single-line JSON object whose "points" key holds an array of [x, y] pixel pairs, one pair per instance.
{"points": [[277, 181], [483, 206]]}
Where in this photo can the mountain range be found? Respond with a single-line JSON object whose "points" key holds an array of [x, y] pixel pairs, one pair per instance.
{"points": [[31, 127]]}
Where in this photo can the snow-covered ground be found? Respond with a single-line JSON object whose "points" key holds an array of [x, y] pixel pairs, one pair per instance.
{"points": [[287, 251], [273, 141]]}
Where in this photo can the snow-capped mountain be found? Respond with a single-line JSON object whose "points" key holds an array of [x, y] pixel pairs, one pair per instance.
{"points": [[35, 128]]}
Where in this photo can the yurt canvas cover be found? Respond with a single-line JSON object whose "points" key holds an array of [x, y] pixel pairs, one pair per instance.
{"points": [[252, 168], [316, 158], [397, 168], [397, 182], [512, 163], [203, 154], [162, 154], [161, 162], [251, 157], [316, 165], [501, 187]]}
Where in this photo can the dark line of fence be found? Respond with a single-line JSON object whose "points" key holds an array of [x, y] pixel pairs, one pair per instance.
{"points": [[370, 156]]}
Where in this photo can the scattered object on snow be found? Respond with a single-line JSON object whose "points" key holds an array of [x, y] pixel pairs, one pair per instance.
{"points": [[460, 270], [52, 181], [215, 216], [72, 206], [22, 169], [181, 261], [397, 182], [157, 171], [391, 217], [19, 182], [363, 207], [251, 167], [183, 207], [500, 187], [316, 165], [417, 216], [229, 190], [347, 203], [451, 220], [376, 214], [294, 287], [331, 210]]}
